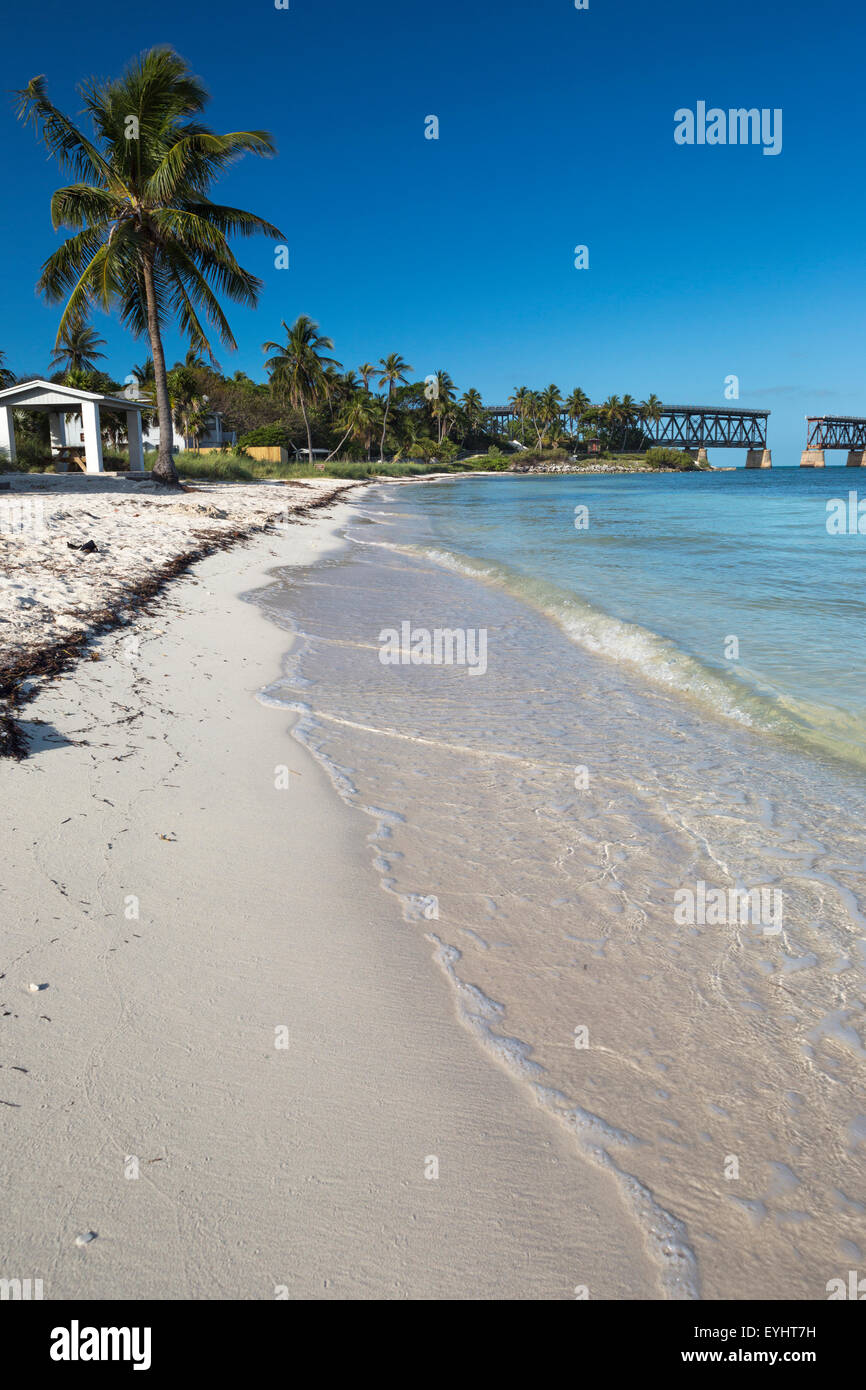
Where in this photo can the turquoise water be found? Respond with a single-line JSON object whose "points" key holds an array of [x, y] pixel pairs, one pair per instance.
{"points": [[683, 564], [542, 822]]}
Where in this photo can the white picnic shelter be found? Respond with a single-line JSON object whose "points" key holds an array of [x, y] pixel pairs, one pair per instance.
{"points": [[60, 401]]}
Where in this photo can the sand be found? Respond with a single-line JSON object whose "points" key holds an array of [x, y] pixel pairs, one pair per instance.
{"points": [[181, 915], [50, 588]]}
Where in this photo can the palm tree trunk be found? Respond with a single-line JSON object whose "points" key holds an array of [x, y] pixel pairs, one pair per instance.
{"points": [[164, 470], [340, 445], [384, 427], [309, 434]]}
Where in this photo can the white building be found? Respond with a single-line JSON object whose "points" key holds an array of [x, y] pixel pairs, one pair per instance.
{"points": [[74, 422], [213, 436]]}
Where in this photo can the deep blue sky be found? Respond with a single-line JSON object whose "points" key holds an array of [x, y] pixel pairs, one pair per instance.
{"points": [[556, 128]]}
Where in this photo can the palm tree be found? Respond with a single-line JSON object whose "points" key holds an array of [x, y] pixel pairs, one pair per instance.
{"points": [[442, 404], [473, 408], [534, 412], [628, 410], [7, 378], [299, 368], [611, 413], [147, 239], [393, 369], [551, 406], [144, 373], [519, 403], [195, 360], [188, 403], [78, 348], [576, 406], [359, 417], [367, 370], [650, 411]]}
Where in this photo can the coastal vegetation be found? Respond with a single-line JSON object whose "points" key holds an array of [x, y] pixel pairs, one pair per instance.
{"points": [[146, 238], [327, 418]]}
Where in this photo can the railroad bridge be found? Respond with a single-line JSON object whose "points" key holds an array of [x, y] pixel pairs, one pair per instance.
{"points": [[693, 428], [834, 432]]}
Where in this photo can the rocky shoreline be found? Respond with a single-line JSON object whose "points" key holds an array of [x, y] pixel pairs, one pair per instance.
{"points": [[570, 467]]}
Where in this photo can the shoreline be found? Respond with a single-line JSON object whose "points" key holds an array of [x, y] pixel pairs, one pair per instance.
{"points": [[99, 606], [106, 601], [470, 789], [172, 902]]}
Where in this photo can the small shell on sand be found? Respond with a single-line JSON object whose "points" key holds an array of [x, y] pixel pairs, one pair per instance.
{"points": [[34, 989], [85, 1238]]}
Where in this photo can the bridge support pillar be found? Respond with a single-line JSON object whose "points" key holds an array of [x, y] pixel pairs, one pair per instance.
{"points": [[856, 458], [812, 458], [701, 457], [759, 458]]}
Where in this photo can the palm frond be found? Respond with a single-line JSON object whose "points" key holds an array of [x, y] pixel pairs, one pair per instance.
{"points": [[64, 140]]}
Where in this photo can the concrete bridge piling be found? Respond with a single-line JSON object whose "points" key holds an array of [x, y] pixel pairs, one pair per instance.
{"points": [[759, 458], [834, 432]]}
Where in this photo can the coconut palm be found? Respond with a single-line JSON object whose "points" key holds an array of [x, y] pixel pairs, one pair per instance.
{"points": [[7, 378], [576, 406], [473, 408], [519, 402], [650, 411], [551, 406], [628, 415], [534, 412], [442, 400], [144, 373], [195, 360], [78, 348], [611, 413], [360, 417], [393, 370], [146, 237], [188, 402], [298, 368], [366, 370]]}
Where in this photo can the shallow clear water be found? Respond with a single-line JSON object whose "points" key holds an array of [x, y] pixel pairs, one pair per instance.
{"points": [[555, 824], [667, 570]]}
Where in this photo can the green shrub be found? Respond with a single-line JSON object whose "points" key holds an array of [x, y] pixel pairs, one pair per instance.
{"points": [[446, 451], [495, 459], [669, 458], [266, 437]]}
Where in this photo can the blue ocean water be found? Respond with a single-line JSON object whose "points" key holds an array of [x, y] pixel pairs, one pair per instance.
{"points": [[664, 571]]}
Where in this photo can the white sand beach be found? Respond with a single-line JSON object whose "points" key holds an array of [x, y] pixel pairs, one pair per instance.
{"points": [[51, 588], [176, 911]]}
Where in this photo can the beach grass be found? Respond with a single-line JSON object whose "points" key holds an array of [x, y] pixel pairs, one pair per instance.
{"points": [[242, 469]]}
